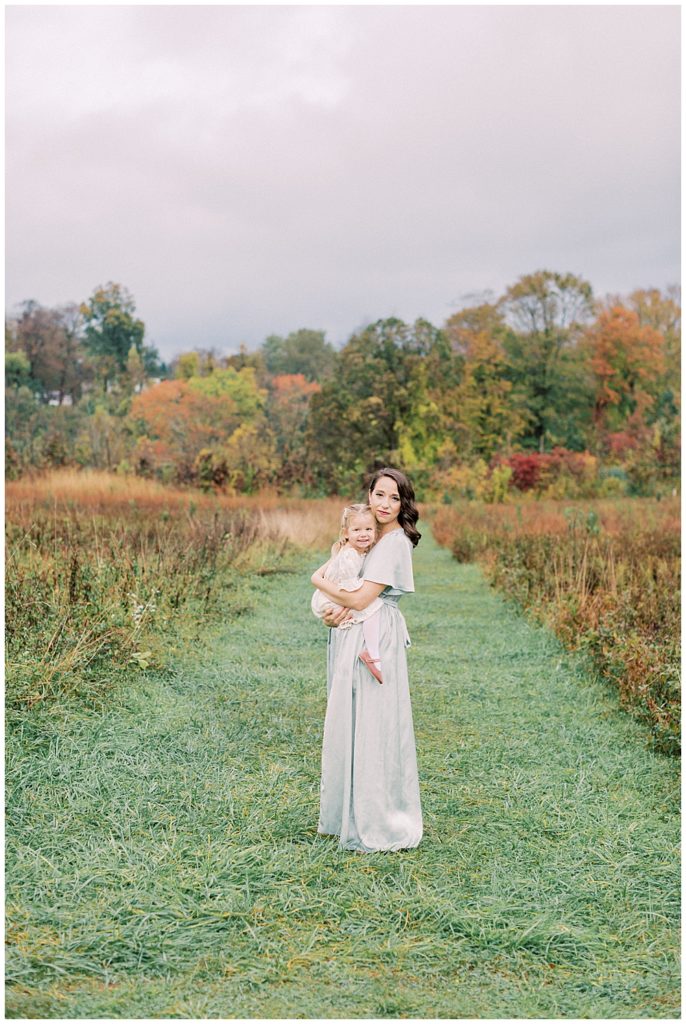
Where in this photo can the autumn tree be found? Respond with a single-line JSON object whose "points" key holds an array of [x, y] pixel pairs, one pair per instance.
{"points": [[467, 323], [546, 312], [287, 412], [51, 341], [177, 419], [489, 418], [489, 412], [627, 360], [662, 312]]}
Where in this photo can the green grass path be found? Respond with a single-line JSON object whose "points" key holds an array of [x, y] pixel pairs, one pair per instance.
{"points": [[163, 858]]}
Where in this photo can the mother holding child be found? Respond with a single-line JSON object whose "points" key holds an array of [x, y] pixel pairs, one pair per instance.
{"points": [[370, 786]]}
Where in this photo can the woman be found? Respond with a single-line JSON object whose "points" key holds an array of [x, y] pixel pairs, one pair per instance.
{"points": [[370, 786]]}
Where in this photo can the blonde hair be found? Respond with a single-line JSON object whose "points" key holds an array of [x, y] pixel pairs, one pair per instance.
{"points": [[348, 512]]}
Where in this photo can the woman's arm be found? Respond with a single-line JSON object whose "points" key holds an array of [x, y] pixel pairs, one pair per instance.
{"points": [[357, 599]]}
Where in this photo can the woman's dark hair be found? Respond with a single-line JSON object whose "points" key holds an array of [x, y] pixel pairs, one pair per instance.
{"points": [[408, 510]]}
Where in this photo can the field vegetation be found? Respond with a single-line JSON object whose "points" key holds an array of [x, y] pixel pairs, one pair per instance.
{"points": [[604, 575], [163, 860], [107, 576], [165, 679]]}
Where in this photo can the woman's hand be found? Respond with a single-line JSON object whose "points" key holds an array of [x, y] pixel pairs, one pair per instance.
{"points": [[334, 619]]}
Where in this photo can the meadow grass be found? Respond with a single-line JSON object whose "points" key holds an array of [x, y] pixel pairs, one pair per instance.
{"points": [[163, 859], [603, 575], [106, 575]]}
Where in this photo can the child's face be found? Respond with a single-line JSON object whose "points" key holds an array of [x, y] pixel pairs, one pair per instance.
{"points": [[361, 532]]}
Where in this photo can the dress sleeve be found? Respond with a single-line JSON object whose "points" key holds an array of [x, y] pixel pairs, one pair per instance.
{"points": [[390, 562], [349, 564], [351, 584]]}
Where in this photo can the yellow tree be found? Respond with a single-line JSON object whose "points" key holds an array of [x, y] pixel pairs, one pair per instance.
{"points": [[662, 312], [489, 410], [489, 418]]}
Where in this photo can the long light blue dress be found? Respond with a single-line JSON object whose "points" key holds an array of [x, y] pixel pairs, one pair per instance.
{"points": [[370, 786]]}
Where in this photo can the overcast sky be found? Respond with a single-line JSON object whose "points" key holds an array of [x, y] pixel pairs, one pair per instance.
{"points": [[247, 171]]}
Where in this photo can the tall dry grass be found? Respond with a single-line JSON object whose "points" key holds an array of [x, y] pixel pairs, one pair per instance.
{"points": [[605, 575], [107, 575], [305, 522]]}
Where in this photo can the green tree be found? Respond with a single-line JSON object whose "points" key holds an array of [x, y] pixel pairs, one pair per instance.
{"points": [[111, 331], [135, 376], [17, 370], [304, 351], [547, 312], [488, 410], [237, 388], [40, 435], [377, 408]]}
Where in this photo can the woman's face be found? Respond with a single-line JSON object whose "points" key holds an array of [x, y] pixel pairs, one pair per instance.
{"points": [[385, 500]]}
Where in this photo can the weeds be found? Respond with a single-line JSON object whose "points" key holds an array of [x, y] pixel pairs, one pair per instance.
{"points": [[605, 576], [107, 575], [163, 860]]}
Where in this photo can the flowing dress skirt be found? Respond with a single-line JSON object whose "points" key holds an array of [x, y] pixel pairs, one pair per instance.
{"points": [[370, 786]]}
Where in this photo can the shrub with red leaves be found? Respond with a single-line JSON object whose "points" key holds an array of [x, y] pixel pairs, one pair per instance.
{"points": [[526, 470]]}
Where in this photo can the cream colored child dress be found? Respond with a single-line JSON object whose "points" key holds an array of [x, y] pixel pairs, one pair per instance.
{"points": [[344, 569]]}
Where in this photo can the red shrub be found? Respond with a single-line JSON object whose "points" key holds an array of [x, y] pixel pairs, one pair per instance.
{"points": [[526, 470]]}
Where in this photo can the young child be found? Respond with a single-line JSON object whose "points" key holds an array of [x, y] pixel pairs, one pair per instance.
{"points": [[357, 536]]}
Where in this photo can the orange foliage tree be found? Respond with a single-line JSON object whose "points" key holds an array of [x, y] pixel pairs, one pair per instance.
{"points": [[177, 419], [288, 408], [627, 361]]}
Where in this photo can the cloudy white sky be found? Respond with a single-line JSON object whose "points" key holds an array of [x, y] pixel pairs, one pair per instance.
{"points": [[245, 171]]}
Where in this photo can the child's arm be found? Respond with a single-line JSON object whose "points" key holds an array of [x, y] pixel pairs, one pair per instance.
{"points": [[320, 571], [335, 548]]}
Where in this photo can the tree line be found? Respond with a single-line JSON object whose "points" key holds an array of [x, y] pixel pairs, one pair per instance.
{"points": [[545, 384]]}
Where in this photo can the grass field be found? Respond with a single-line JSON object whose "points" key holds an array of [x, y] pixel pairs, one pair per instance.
{"points": [[604, 576], [163, 859], [106, 574]]}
